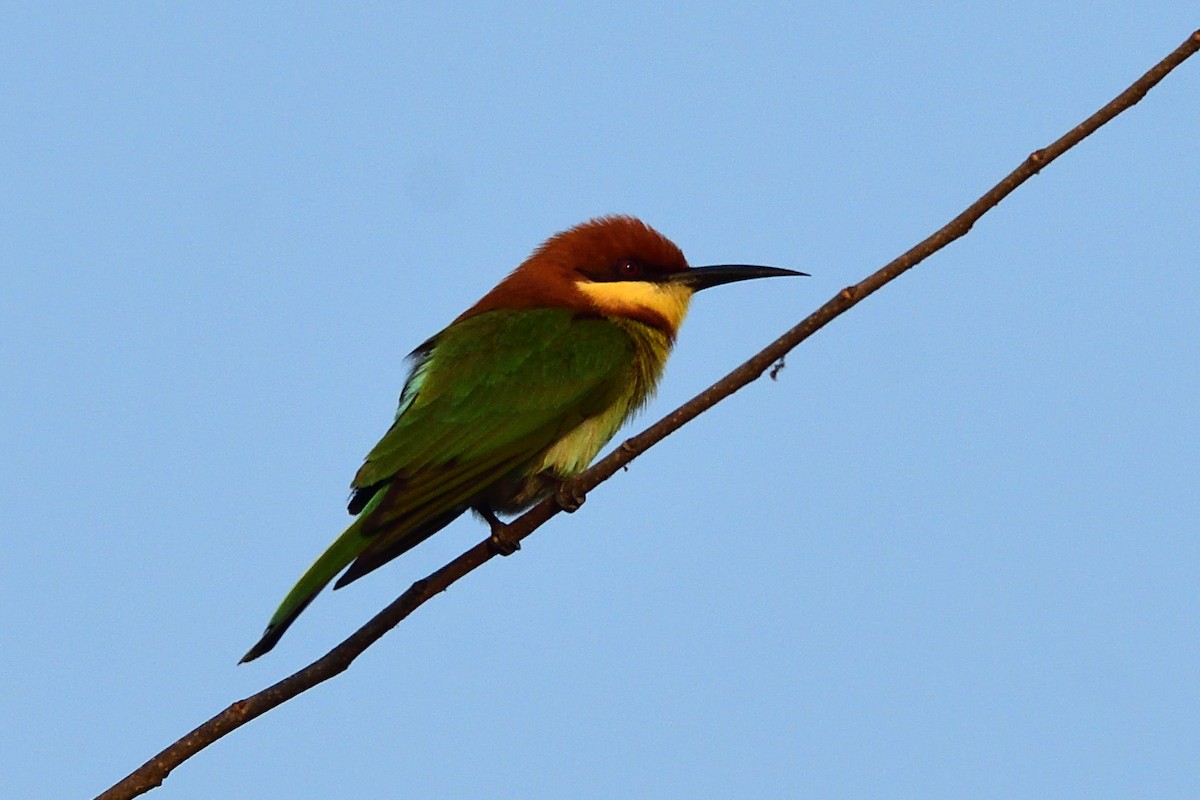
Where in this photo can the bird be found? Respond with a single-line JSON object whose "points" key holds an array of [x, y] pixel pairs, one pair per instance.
{"points": [[517, 395]]}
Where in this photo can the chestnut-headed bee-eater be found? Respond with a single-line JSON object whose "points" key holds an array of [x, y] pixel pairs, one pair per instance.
{"points": [[517, 394]]}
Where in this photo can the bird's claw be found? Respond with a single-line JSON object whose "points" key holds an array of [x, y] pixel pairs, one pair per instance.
{"points": [[504, 545], [502, 542], [569, 497]]}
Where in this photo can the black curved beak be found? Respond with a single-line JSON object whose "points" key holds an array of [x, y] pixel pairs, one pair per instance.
{"points": [[703, 277]]}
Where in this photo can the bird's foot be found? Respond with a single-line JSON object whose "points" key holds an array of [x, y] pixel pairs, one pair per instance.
{"points": [[502, 543], [569, 496]]}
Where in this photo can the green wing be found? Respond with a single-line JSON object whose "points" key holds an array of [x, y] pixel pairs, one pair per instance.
{"points": [[487, 396], [495, 391]]}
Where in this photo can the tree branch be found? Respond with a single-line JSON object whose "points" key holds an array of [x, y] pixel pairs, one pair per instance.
{"points": [[154, 771]]}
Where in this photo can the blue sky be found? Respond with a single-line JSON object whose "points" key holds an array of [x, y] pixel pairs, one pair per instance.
{"points": [[951, 552]]}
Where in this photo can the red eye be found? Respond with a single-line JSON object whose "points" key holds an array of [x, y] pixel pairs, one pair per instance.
{"points": [[629, 269]]}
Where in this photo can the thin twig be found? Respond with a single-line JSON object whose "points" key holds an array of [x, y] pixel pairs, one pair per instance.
{"points": [[154, 771]]}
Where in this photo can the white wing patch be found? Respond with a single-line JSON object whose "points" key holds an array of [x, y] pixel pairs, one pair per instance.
{"points": [[412, 387]]}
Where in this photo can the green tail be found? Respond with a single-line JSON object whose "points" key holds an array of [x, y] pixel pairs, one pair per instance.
{"points": [[345, 549]]}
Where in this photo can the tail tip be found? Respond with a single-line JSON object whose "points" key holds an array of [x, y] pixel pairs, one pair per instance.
{"points": [[264, 645]]}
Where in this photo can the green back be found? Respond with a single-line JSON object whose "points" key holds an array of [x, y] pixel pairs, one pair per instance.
{"points": [[492, 393]]}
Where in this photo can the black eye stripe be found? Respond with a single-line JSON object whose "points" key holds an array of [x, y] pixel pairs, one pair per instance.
{"points": [[626, 269]]}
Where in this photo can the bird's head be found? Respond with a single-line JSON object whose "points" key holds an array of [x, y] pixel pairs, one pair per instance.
{"points": [[614, 266]]}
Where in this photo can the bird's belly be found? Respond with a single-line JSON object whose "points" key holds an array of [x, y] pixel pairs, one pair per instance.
{"points": [[516, 494], [572, 453], [567, 457]]}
